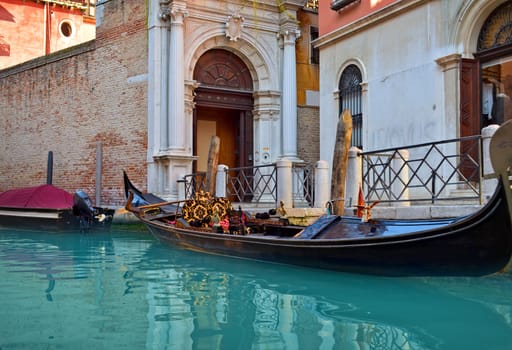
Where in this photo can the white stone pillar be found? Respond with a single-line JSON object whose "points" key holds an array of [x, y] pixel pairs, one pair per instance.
{"points": [[267, 128], [284, 183], [172, 125], [451, 108], [176, 105], [158, 51], [289, 97], [354, 177], [322, 186], [182, 195], [488, 185], [221, 180]]}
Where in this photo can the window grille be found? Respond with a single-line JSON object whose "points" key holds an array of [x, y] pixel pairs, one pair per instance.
{"points": [[351, 98]]}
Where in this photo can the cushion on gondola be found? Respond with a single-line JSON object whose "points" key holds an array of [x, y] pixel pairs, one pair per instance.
{"points": [[199, 211], [219, 207]]}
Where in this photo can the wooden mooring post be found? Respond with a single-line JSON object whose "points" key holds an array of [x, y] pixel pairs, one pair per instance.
{"points": [[340, 162], [213, 162]]}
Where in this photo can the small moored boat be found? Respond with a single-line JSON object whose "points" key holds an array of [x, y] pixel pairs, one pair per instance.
{"points": [[48, 207], [474, 245]]}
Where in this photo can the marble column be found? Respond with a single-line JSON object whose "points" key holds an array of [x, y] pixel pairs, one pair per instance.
{"points": [[289, 97], [173, 157], [158, 53], [176, 92]]}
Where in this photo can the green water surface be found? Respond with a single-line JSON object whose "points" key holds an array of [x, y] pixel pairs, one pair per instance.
{"points": [[124, 290]]}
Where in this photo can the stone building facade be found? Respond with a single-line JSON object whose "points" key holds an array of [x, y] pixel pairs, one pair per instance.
{"points": [[148, 91], [74, 101], [424, 68], [34, 28]]}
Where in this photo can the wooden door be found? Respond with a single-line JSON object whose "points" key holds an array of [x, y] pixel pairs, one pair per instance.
{"points": [[470, 121], [470, 118], [216, 122], [225, 97]]}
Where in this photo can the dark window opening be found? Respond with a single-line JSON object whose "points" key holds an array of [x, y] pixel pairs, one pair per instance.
{"points": [[66, 29], [314, 52], [350, 94]]}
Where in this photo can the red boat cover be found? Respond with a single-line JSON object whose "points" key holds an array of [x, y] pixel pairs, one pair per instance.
{"points": [[38, 197]]}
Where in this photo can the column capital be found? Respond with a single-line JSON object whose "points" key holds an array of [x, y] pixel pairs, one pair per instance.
{"points": [[289, 35], [172, 12], [449, 62], [266, 113]]}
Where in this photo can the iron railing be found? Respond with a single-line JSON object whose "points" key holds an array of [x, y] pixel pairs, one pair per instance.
{"points": [[252, 184], [444, 170], [303, 175], [258, 184], [194, 183], [447, 170]]}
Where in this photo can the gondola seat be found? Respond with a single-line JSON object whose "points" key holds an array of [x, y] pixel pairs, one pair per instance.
{"points": [[200, 211]]}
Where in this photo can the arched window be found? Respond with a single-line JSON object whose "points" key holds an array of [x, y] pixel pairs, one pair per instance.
{"points": [[350, 97], [495, 53]]}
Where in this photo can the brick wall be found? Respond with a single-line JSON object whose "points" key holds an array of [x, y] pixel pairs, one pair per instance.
{"points": [[73, 101], [308, 143]]}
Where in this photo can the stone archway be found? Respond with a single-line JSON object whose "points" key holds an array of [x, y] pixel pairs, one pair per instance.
{"points": [[476, 33], [486, 79], [223, 107]]}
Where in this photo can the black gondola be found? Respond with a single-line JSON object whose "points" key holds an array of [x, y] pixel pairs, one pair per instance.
{"points": [[474, 245]]}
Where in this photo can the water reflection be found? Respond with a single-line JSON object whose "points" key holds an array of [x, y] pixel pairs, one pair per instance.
{"points": [[131, 291], [234, 303]]}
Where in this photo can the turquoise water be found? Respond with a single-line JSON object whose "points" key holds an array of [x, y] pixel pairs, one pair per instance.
{"points": [[124, 290]]}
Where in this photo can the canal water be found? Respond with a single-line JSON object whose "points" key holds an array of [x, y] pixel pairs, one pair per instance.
{"points": [[124, 290]]}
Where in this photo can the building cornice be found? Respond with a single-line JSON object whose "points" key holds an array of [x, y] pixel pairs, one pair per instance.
{"points": [[386, 13], [78, 4]]}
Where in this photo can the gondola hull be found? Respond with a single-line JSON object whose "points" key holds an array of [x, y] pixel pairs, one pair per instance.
{"points": [[477, 245]]}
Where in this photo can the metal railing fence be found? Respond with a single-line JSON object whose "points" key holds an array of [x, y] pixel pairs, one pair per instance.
{"points": [[424, 172], [252, 184], [194, 183], [303, 175], [258, 184], [447, 170]]}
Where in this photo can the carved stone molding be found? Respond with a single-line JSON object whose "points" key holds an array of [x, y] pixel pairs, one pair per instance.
{"points": [[290, 36], [234, 26], [449, 62], [171, 11]]}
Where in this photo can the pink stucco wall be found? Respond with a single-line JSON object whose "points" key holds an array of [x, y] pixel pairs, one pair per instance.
{"points": [[23, 25], [331, 20]]}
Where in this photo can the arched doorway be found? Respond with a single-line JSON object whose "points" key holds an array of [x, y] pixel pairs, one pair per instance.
{"points": [[223, 107], [494, 52], [486, 80], [486, 83]]}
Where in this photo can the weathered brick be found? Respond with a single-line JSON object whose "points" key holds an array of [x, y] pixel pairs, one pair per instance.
{"points": [[70, 101]]}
